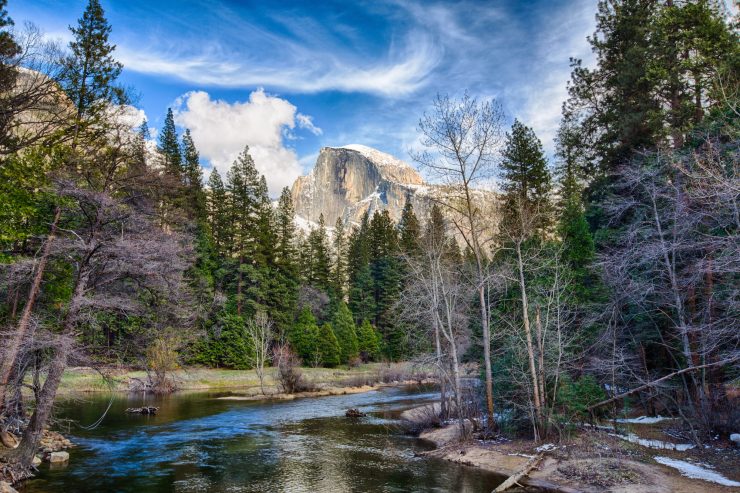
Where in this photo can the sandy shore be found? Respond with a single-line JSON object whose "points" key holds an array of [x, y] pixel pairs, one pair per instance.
{"points": [[591, 461]]}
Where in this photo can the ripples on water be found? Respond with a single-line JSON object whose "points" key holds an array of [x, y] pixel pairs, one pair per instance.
{"points": [[200, 443]]}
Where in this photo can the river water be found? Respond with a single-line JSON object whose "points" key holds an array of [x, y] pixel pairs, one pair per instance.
{"points": [[198, 442]]}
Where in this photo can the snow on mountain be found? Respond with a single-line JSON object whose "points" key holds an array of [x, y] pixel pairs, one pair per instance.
{"points": [[378, 157]]}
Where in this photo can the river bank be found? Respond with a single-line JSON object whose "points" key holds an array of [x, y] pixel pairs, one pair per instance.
{"points": [[90, 380], [598, 460]]}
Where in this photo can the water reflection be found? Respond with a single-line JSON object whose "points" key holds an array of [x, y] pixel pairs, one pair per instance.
{"points": [[200, 443]]}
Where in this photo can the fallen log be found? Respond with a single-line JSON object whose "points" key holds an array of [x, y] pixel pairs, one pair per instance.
{"points": [[514, 478], [142, 410], [590, 409]]}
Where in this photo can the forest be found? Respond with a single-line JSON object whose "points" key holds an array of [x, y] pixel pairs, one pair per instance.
{"points": [[599, 281]]}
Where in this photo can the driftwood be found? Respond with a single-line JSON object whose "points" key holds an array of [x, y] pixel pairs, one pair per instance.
{"points": [[661, 379], [514, 478], [143, 410]]}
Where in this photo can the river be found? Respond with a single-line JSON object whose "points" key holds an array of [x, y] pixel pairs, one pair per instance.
{"points": [[198, 442]]}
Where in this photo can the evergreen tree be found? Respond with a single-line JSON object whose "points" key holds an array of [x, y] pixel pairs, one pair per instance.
{"points": [[169, 147], [320, 262], [9, 49], [90, 71], [328, 346], [691, 45], [409, 230], [525, 177], [344, 329], [286, 261], [339, 269], [304, 336], [242, 185], [193, 175], [385, 270], [218, 212], [368, 341]]}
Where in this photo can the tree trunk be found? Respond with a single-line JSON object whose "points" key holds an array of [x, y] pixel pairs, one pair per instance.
{"points": [[22, 332], [239, 287], [528, 336]]}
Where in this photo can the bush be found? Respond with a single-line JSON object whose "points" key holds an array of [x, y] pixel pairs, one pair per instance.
{"points": [[162, 359], [289, 374]]}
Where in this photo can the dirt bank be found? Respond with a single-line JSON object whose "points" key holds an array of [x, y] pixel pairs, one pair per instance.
{"points": [[590, 461]]}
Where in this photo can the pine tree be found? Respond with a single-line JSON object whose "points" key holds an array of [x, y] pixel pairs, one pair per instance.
{"points": [[286, 261], [384, 266], [90, 71], [525, 177], [344, 329], [339, 269], [218, 212], [285, 251], [691, 45], [242, 185], [409, 230], [9, 49], [320, 268], [328, 346], [368, 341], [169, 147], [361, 292], [524, 166], [193, 177], [304, 336]]}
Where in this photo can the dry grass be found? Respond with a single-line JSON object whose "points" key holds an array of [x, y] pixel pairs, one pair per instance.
{"points": [[89, 380]]}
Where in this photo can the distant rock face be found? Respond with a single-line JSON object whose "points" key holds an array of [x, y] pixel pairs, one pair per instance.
{"points": [[348, 181]]}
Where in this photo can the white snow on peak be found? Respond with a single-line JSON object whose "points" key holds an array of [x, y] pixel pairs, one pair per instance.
{"points": [[378, 157]]}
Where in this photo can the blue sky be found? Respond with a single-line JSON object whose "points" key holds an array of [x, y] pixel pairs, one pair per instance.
{"points": [[288, 78]]}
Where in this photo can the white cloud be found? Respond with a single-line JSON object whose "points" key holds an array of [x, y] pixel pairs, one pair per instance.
{"points": [[305, 121], [221, 130]]}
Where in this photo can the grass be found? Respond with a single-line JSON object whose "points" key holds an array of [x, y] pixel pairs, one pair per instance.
{"points": [[195, 378]]}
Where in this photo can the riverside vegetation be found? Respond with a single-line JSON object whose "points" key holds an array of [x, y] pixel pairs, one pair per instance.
{"points": [[598, 285]]}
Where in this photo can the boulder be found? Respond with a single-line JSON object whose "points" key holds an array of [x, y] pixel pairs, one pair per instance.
{"points": [[36, 461], [354, 413], [59, 457], [6, 488], [735, 437]]}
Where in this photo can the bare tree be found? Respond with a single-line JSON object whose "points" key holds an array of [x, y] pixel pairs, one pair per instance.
{"points": [[676, 257], [437, 295], [462, 139], [261, 333]]}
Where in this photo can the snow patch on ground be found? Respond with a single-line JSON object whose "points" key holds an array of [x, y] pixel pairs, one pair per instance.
{"points": [[659, 444], [545, 447], [696, 472], [644, 420]]}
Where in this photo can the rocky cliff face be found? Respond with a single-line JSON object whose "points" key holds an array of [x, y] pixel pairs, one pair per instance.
{"points": [[348, 181]]}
